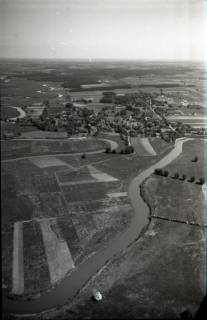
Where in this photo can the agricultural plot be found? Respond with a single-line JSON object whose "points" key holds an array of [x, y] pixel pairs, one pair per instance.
{"points": [[139, 147], [44, 162], [148, 147], [8, 112], [79, 176], [84, 192], [18, 148], [159, 145], [99, 175], [38, 134], [36, 270], [125, 168], [61, 224]]}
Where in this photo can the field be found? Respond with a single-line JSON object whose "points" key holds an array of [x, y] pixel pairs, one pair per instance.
{"points": [[65, 202], [59, 208], [27, 82], [166, 264], [159, 145], [24, 148], [8, 112]]}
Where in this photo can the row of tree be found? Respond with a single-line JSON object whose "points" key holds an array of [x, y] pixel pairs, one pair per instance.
{"points": [[126, 150], [183, 177]]}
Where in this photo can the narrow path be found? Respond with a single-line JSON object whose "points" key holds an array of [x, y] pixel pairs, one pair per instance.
{"points": [[69, 287]]}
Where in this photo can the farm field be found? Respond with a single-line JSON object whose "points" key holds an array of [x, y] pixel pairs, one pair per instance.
{"points": [[159, 145], [18, 148], [84, 202], [8, 112], [140, 147], [166, 264], [39, 134]]}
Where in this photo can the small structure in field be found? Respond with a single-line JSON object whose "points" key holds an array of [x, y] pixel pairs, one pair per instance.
{"points": [[97, 296]]}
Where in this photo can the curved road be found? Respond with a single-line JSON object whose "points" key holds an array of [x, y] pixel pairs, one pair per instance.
{"points": [[22, 113], [69, 286]]}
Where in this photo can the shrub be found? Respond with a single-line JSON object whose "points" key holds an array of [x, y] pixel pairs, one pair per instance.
{"points": [[108, 150], [176, 175], [158, 172], [83, 156], [113, 151], [202, 180], [192, 179], [165, 173]]}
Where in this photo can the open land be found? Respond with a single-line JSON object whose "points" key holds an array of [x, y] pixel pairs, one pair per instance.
{"points": [[166, 264], [83, 200], [25, 148], [64, 198]]}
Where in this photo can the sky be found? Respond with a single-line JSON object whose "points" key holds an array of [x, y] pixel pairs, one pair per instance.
{"points": [[104, 29]]}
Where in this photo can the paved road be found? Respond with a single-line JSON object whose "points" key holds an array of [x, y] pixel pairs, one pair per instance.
{"points": [[67, 289]]}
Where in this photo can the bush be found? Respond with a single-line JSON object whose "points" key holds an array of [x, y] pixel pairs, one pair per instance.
{"points": [[176, 175], [113, 151], [129, 149], [165, 173], [108, 150], [192, 179], [83, 156], [202, 180], [158, 172]]}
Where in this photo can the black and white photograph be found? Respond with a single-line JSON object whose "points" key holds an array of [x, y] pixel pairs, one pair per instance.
{"points": [[103, 107]]}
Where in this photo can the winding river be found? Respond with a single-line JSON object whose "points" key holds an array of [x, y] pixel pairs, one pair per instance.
{"points": [[71, 284]]}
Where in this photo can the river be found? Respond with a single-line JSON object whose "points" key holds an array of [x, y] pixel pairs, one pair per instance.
{"points": [[69, 286]]}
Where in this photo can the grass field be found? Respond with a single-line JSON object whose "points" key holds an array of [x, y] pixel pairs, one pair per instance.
{"points": [[167, 264]]}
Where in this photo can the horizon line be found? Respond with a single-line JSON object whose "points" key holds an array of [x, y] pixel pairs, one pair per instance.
{"points": [[90, 60]]}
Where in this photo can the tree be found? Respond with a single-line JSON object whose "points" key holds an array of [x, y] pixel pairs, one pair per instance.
{"points": [[69, 105], [192, 179], [176, 175], [158, 172], [165, 173], [108, 150], [183, 177], [202, 180]]}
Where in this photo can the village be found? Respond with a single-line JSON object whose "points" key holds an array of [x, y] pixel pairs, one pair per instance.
{"points": [[129, 115]]}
